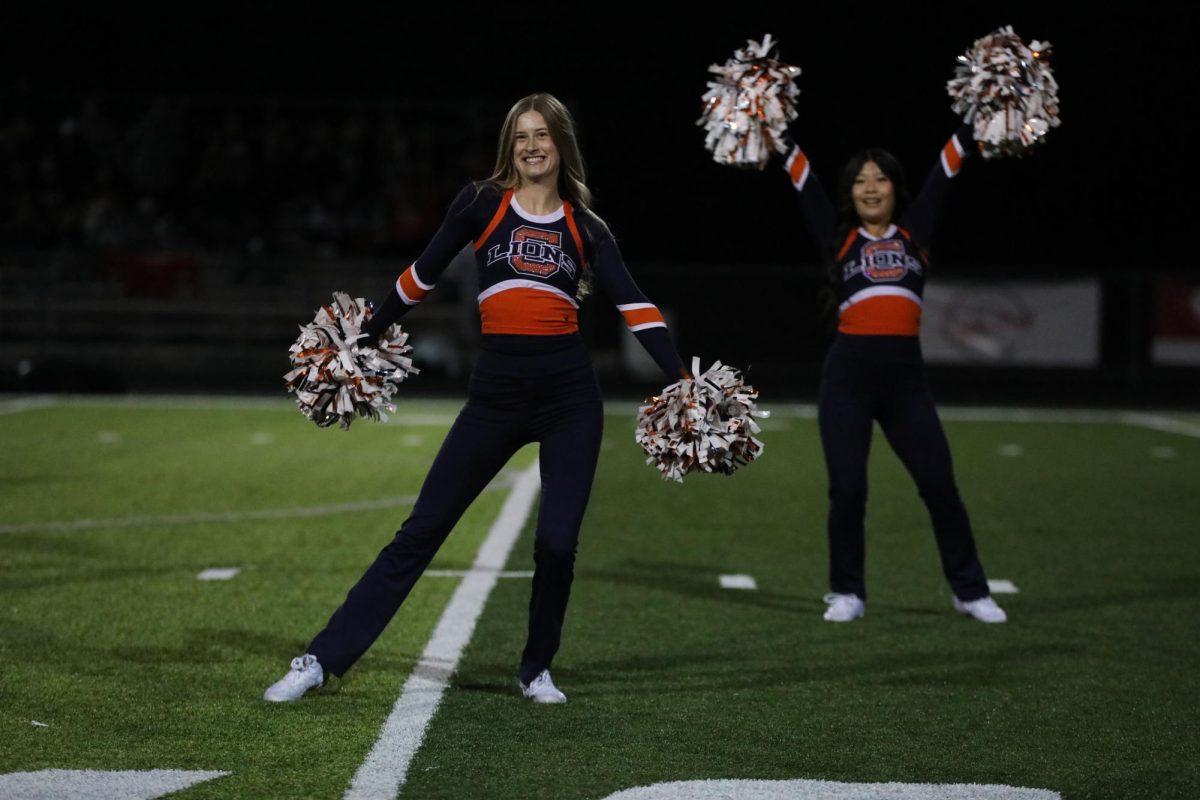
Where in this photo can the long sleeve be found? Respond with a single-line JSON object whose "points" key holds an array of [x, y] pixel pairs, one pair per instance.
{"points": [[642, 317], [923, 217], [815, 208], [460, 226]]}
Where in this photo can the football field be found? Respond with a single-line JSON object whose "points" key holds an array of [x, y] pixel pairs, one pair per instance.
{"points": [[161, 561]]}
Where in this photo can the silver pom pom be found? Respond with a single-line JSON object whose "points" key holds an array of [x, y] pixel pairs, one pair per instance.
{"points": [[336, 378], [701, 424], [748, 108], [1008, 90]]}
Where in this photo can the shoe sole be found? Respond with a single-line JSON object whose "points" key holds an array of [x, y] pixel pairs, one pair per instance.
{"points": [[967, 613], [287, 699]]}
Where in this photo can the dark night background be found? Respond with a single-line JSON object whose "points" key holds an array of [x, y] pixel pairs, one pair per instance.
{"points": [[1106, 195]]}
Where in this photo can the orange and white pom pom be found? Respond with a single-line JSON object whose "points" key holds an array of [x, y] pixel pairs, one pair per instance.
{"points": [[748, 108], [336, 375], [701, 424], [1007, 89]]}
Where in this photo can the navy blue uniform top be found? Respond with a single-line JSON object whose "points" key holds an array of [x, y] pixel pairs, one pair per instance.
{"points": [[880, 279], [530, 268]]}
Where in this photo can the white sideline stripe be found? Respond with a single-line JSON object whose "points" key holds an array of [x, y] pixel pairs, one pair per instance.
{"points": [[218, 574], [208, 403], [738, 582], [1002, 586], [462, 573], [617, 408], [202, 517], [1164, 424], [386, 766], [26, 404]]}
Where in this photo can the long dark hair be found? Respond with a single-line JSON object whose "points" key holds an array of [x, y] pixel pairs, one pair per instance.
{"points": [[847, 217]]}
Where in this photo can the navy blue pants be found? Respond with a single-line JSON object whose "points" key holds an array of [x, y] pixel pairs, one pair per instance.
{"points": [[868, 378], [524, 389]]}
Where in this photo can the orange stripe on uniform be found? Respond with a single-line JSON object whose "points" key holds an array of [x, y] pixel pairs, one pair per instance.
{"points": [[643, 316], [798, 164], [952, 158], [410, 291], [846, 244], [886, 315], [531, 312], [570, 215], [499, 215]]}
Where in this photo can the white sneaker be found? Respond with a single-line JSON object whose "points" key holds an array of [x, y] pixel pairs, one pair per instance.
{"points": [[305, 674], [542, 690], [984, 609], [844, 607]]}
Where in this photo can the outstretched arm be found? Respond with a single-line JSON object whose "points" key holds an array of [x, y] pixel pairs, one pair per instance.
{"points": [[927, 208], [642, 317], [460, 225]]}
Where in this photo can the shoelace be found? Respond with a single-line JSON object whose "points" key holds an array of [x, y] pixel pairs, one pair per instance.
{"points": [[301, 663], [832, 598]]}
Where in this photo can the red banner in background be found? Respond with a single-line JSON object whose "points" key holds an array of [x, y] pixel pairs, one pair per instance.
{"points": [[1176, 323]]}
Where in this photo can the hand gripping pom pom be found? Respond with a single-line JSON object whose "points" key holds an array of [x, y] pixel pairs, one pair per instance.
{"points": [[748, 108], [335, 377], [701, 424], [1007, 90]]}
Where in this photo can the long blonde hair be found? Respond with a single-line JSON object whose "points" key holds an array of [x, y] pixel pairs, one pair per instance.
{"points": [[572, 175]]}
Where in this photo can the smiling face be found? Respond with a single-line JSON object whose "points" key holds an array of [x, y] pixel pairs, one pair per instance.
{"points": [[873, 194], [534, 153]]}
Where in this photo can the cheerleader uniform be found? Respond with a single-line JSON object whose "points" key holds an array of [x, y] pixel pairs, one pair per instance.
{"points": [[874, 372], [532, 382]]}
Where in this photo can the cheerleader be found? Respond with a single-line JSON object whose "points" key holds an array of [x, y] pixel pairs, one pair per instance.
{"points": [[539, 248], [876, 239]]}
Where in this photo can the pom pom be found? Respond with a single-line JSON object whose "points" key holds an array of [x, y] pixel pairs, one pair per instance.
{"points": [[748, 108], [1007, 90], [701, 424], [335, 377]]}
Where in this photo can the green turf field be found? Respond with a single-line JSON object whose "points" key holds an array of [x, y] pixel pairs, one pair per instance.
{"points": [[115, 657]]}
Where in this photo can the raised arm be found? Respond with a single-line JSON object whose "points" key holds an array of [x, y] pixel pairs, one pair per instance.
{"points": [[815, 208], [927, 208]]}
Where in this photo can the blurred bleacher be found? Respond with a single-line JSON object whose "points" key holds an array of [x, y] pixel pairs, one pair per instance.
{"points": [[158, 243]]}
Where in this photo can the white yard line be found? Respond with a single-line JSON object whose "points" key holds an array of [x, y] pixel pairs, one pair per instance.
{"points": [[385, 769]]}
